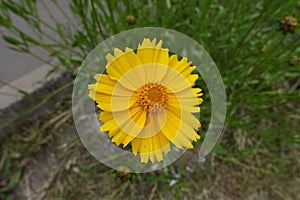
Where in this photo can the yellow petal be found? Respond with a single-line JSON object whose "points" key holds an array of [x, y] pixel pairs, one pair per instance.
{"points": [[192, 79], [151, 148], [149, 52], [147, 43], [146, 55], [106, 102], [131, 121], [183, 66], [105, 116], [120, 103], [127, 140], [122, 138], [104, 84], [160, 144], [109, 125], [188, 123], [121, 63], [187, 100], [144, 149], [162, 57], [191, 120], [132, 79], [170, 128], [175, 81], [154, 73], [159, 45], [153, 55], [176, 128], [119, 138], [151, 127]]}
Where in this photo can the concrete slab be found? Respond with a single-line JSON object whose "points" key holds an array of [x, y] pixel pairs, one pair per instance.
{"points": [[28, 83], [23, 72], [14, 65]]}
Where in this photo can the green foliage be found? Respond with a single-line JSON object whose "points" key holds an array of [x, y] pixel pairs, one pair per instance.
{"points": [[258, 82]]}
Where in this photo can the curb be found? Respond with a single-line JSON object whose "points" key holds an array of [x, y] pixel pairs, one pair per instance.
{"points": [[15, 106]]}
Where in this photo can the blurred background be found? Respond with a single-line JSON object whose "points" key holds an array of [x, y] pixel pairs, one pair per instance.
{"points": [[256, 46]]}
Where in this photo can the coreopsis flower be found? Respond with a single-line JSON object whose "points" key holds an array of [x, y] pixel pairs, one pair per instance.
{"points": [[148, 100]]}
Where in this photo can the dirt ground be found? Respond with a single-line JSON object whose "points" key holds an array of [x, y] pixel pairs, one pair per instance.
{"points": [[62, 168]]}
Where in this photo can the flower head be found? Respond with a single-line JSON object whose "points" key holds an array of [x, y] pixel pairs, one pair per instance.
{"points": [[147, 100], [263, 48], [130, 20], [288, 24], [294, 60]]}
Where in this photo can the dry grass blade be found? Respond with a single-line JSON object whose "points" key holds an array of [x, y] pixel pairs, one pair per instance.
{"points": [[153, 191], [62, 117]]}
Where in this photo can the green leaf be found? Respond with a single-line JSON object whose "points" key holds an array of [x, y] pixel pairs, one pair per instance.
{"points": [[12, 40], [60, 31], [20, 49], [219, 149], [13, 182], [55, 53], [27, 38], [33, 7]]}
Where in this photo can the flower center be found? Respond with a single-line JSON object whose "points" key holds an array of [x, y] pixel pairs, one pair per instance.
{"points": [[152, 97]]}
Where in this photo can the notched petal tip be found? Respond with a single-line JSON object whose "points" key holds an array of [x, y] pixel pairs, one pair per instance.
{"points": [[110, 58], [153, 42], [199, 100], [159, 44], [127, 50], [97, 77], [92, 86], [192, 79], [197, 137], [197, 90], [147, 43], [118, 52]]}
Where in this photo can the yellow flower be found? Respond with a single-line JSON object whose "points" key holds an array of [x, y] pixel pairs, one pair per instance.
{"points": [[147, 100]]}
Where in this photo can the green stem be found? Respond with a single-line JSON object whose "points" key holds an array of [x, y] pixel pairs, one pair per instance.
{"points": [[14, 87], [97, 20], [114, 27], [64, 13]]}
